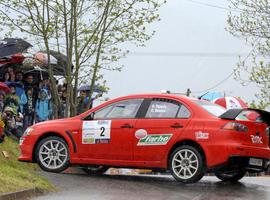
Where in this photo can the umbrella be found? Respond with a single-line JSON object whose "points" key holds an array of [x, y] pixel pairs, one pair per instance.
{"points": [[4, 87], [11, 46], [231, 102], [61, 62], [43, 58], [211, 96], [38, 73], [97, 88], [57, 60], [14, 59]]}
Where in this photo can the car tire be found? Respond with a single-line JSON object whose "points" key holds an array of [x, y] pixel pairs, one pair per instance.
{"points": [[52, 154], [98, 170], [232, 177], [186, 164]]}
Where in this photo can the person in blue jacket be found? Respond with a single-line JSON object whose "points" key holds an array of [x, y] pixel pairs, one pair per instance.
{"points": [[43, 109]]}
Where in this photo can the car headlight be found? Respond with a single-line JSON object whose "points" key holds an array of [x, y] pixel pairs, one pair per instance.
{"points": [[28, 131]]}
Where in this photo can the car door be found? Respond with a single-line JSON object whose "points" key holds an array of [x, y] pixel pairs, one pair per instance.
{"points": [[162, 123], [108, 133]]}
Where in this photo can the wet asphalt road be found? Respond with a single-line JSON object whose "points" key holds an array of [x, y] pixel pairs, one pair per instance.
{"points": [[79, 186]]}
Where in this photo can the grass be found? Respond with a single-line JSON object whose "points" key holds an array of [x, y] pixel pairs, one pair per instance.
{"points": [[15, 175]]}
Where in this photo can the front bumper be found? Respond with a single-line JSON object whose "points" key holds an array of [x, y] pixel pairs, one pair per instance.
{"points": [[26, 149]]}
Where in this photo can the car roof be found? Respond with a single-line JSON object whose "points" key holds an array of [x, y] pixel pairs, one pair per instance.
{"points": [[188, 101], [157, 95]]}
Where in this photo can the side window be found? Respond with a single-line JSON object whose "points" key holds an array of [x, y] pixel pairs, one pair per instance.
{"points": [[103, 112], [162, 108], [122, 109], [183, 113]]}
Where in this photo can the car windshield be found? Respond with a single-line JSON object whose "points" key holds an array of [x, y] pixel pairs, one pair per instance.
{"points": [[212, 108]]}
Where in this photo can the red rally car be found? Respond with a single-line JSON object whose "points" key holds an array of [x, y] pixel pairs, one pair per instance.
{"points": [[187, 136]]}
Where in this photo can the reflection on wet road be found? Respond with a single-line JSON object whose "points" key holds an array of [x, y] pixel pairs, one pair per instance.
{"points": [[121, 187]]}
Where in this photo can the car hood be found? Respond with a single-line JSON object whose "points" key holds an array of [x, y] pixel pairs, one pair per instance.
{"points": [[54, 122]]}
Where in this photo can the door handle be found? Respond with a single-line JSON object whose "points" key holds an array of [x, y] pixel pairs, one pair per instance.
{"points": [[126, 126], [177, 125]]}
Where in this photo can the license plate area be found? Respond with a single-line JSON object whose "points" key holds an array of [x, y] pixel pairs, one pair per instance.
{"points": [[256, 162]]}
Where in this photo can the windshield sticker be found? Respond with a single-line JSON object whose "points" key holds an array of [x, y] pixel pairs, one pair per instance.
{"points": [[96, 132], [201, 135], [256, 139], [155, 139]]}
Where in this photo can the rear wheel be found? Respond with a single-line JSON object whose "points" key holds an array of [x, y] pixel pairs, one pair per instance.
{"points": [[186, 164], [52, 154], [97, 170], [233, 176]]}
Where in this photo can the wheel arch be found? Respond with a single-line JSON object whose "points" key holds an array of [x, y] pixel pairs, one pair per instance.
{"points": [[190, 143], [45, 135]]}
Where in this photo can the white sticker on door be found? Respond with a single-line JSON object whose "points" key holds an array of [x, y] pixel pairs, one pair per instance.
{"points": [[96, 132]]}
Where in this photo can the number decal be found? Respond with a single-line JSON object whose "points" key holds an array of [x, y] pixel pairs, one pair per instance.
{"points": [[96, 132], [102, 131]]}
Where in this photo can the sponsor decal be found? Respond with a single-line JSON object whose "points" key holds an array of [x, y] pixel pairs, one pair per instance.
{"points": [[256, 139], [201, 135], [96, 132], [141, 133], [158, 108], [155, 139], [102, 141]]}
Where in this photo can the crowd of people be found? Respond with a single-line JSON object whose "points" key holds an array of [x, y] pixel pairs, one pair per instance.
{"points": [[30, 101]]}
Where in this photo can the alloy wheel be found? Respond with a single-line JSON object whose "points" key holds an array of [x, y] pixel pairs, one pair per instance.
{"points": [[53, 154]]}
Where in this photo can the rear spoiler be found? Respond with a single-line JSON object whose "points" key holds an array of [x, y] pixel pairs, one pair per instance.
{"points": [[233, 113]]}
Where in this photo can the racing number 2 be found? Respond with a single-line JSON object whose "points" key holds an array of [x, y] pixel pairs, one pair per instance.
{"points": [[102, 131]]}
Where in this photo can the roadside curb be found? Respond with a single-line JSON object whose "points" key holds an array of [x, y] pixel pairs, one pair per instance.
{"points": [[21, 195]]}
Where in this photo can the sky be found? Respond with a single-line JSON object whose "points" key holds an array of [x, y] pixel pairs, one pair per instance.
{"points": [[186, 27]]}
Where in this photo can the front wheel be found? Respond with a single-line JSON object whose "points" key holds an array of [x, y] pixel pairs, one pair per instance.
{"points": [[52, 154], [231, 176], [186, 164], [95, 170]]}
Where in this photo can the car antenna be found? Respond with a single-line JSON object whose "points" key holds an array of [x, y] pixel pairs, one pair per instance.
{"points": [[200, 97]]}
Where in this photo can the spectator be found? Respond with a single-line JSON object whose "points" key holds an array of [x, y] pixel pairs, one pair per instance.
{"points": [[2, 101], [6, 77], [12, 100], [10, 70], [29, 109], [29, 81], [20, 92], [45, 84], [12, 76], [43, 109], [10, 116], [82, 102], [19, 77], [2, 125]]}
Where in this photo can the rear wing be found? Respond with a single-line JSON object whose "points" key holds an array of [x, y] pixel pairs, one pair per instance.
{"points": [[233, 113]]}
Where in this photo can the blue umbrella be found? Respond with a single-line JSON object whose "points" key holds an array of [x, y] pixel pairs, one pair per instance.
{"points": [[210, 96], [97, 88]]}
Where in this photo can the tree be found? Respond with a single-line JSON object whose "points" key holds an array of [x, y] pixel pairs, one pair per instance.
{"points": [[250, 20], [91, 33]]}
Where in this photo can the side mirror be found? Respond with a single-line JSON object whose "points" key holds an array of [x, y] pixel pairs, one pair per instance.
{"points": [[90, 117]]}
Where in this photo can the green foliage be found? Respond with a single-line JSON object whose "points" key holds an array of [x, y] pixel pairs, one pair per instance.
{"points": [[260, 105], [93, 34], [249, 20]]}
